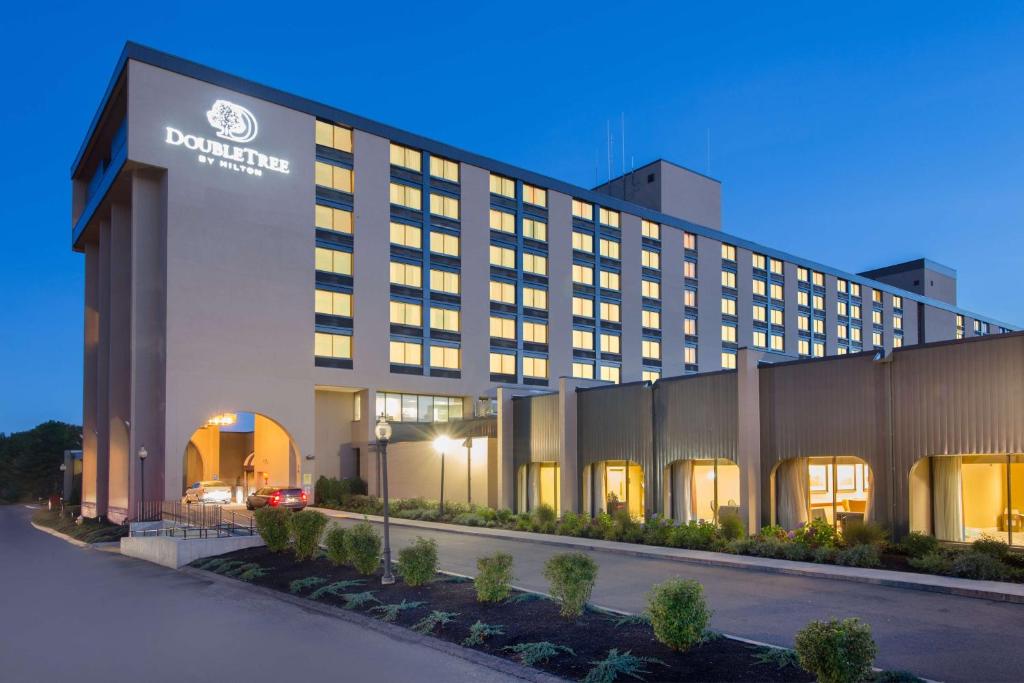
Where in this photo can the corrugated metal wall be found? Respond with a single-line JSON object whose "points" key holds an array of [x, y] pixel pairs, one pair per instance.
{"points": [[535, 429], [695, 418]]}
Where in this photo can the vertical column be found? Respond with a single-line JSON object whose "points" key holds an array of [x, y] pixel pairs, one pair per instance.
{"points": [[475, 238], [103, 375], [569, 484], [709, 304], [89, 378], [748, 437], [505, 470], [632, 301], [831, 315], [672, 312], [744, 298], [119, 364], [559, 286]]}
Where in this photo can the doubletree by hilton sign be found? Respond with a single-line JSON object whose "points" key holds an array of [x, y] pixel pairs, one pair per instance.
{"points": [[236, 125]]}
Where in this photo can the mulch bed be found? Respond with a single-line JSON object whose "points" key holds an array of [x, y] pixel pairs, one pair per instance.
{"points": [[524, 621]]}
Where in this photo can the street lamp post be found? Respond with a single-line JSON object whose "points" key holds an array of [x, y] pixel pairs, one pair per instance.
{"points": [[143, 453], [441, 445], [383, 433], [469, 471], [63, 478]]}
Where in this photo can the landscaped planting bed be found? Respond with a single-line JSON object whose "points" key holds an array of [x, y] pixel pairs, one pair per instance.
{"points": [[88, 531], [523, 618]]}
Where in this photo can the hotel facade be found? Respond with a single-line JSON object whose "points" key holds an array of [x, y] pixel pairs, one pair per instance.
{"points": [[255, 258]]}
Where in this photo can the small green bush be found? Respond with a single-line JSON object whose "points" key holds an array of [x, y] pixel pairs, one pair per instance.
{"points": [[272, 523], [916, 544], [773, 531], [417, 563], [992, 547], [599, 526], [696, 535], [469, 519], [863, 555], [335, 542], [571, 577], [864, 533], [571, 524], [816, 533], [306, 527], [934, 562], [732, 526], [362, 548], [836, 651], [624, 528], [657, 530], [493, 577], [503, 516], [821, 555], [975, 564], [678, 613], [544, 518]]}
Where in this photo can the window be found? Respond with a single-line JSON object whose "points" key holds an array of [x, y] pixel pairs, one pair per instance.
{"points": [[690, 298], [819, 349], [650, 289], [728, 360], [338, 220], [502, 257], [332, 261], [582, 370], [330, 135], [776, 266], [504, 292], [819, 326], [802, 298], [535, 367], [583, 308], [445, 169], [778, 343], [729, 279], [651, 319], [583, 275], [332, 345], [776, 291], [405, 235], [651, 349], [334, 177], [855, 334], [538, 197], [650, 259], [803, 347], [854, 289], [959, 326], [609, 280], [444, 281], [503, 221], [689, 241], [443, 243], [876, 338], [760, 313], [728, 306], [690, 269], [728, 252], [760, 339], [876, 296], [406, 353], [506, 187], [609, 312], [503, 328], [842, 308], [445, 357], [758, 261], [582, 209], [876, 317], [535, 230], [690, 326], [581, 241], [776, 317], [650, 229], [535, 332], [406, 274], [406, 157], [897, 342], [841, 285], [610, 373], [503, 363], [609, 248], [610, 343], [729, 333], [819, 302], [760, 287], [841, 331], [651, 376], [803, 323], [690, 355], [818, 279], [535, 263], [854, 311], [583, 339], [406, 195], [333, 303], [609, 218], [443, 205], [897, 322], [802, 274], [535, 298], [897, 301], [446, 319], [403, 313], [842, 350]]}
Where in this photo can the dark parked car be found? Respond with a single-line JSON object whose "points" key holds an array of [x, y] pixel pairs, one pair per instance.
{"points": [[275, 496]]}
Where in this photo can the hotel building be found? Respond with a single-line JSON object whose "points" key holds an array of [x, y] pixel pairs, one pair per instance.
{"points": [[252, 253]]}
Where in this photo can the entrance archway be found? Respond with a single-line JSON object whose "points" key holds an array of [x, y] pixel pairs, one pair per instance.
{"points": [[701, 489], [614, 485], [837, 489]]}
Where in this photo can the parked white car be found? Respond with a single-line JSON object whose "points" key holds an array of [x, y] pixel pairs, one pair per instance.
{"points": [[207, 492]]}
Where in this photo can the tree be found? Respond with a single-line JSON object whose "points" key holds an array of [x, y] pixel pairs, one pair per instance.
{"points": [[30, 460]]}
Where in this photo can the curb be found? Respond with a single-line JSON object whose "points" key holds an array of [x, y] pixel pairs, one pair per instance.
{"points": [[393, 631], [968, 588], [57, 534]]}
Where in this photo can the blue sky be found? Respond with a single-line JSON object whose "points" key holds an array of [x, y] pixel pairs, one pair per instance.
{"points": [[855, 136]]}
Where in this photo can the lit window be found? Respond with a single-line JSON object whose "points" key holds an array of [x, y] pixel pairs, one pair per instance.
{"points": [[444, 281], [535, 263], [609, 248], [504, 292], [332, 345], [610, 373], [803, 298], [650, 259], [819, 302], [330, 135], [802, 274], [803, 323], [535, 230], [760, 339], [651, 319], [506, 187], [650, 229], [651, 376], [778, 343], [855, 334], [876, 317], [443, 243], [897, 322], [897, 301], [445, 357], [876, 339], [446, 319], [581, 241], [406, 274], [503, 221], [841, 331], [728, 252], [760, 313], [650, 289], [406, 195], [776, 316], [610, 312], [689, 241], [405, 235], [819, 349], [854, 289], [334, 177], [803, 347], [776, 266], [538, 197], [897, 342], [535, 298], [690, 269], [760, 287], [582, 307], [690, 326], [819, 326], [535, 332], [690, 298], [728, 306], [503, 363], [690, 355], [610, 343], [502, 257], [609, 280], [406, 353], [583, 275], [443, 205], [406, 157], [583, 370], [583, 339], [842, 350], [609, 217], [333, 303], [332, 261], [329, 218], [535, 367], [403, 313], [728, 360], [582, 209], [776, 291], [818, 279], [841, 308], [854, 311], [729, 333], [841, 285], [503, 328], [876, 296], [445, 169], [729, 279], [651, 349], [758, 261]]}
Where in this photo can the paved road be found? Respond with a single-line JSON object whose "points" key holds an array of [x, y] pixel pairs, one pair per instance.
{"points": [[942, 637], [74, 614]]}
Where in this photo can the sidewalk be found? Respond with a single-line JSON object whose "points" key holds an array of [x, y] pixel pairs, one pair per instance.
{"points": [[987, 590]]}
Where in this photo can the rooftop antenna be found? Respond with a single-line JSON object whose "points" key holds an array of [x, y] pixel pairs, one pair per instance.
{"points": [[608, 124], [622, 161]]}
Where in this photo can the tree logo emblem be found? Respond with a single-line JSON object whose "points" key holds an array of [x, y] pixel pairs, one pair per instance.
{"points": [[232, 121]]}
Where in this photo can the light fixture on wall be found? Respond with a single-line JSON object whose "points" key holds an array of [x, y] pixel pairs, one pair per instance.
{"points": [[222, 420]]}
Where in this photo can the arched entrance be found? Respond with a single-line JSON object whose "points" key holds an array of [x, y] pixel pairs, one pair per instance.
{"points": [[701, 489], [837, 489], [538, 483], [243, 450], [614, 485]]}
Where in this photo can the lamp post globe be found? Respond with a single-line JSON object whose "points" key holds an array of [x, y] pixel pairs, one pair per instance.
{"points": [[383, 433], [143, 454]]}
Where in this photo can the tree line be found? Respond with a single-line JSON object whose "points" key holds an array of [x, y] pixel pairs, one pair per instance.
{"points": [[30, 460]]}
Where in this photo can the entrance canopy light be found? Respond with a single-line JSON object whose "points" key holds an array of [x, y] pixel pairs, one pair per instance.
{"points": [[222, 420]]}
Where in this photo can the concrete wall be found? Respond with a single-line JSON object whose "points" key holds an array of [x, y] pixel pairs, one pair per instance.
{"points": [[414, 471]]}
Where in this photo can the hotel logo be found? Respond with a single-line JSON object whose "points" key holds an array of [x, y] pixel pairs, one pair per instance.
{"points": [[232, 121]]}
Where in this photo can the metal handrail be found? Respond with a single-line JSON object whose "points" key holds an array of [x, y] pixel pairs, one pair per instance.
{"points": [[196, 520]]}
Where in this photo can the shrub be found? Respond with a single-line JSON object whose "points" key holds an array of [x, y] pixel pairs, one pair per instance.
{"points": [[335, 542], [657, 530], [916, 544], [816, 533], [272, 523], [531, 653], [572, 577], [836, 651], [696, 535], [503, 516], [678, 612], [469, 519], [599, 526], [773, 531], [429, 623], [362, 548], [617, 665], [864, 533], [480, 631], [822, 555], [544, 518], [991, 546], [306, 527], [935, 562], [625, 528], [864, 555], [417, 563], [974, 564], [732, 526], [494, 575], [572, 524]]}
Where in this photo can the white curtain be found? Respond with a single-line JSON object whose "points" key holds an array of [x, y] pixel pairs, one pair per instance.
{"points": [[682, 490], [947, 498], [791, 485], [533, 474]]}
